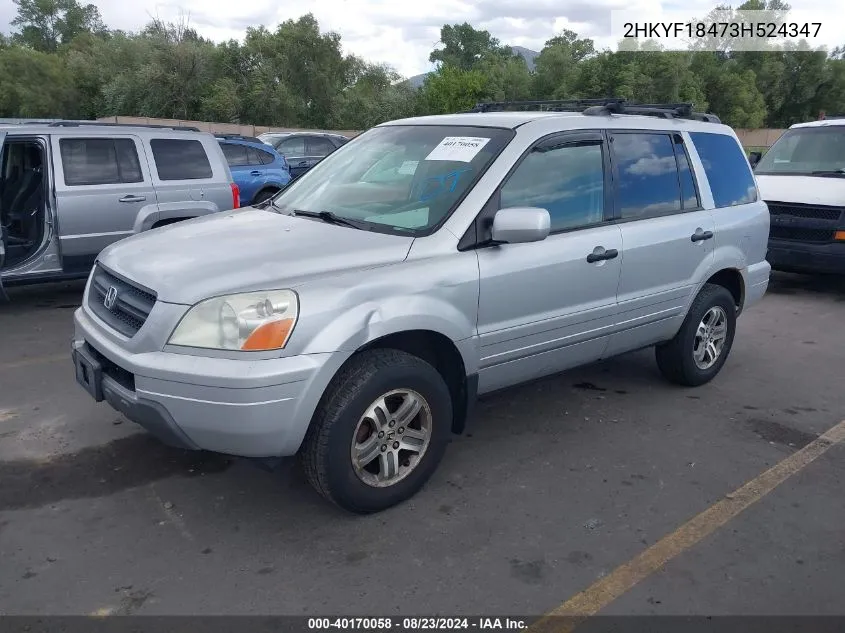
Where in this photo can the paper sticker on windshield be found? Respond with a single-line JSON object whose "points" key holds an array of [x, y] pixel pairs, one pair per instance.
{"points": [[408, 167], [458, 148]]}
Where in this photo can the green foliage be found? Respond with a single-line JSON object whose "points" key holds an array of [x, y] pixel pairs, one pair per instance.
{"points": [[61, 61]]}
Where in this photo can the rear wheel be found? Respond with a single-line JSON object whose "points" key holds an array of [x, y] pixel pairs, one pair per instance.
{"points": [[701, 346], [264, 194], [379, 432]]}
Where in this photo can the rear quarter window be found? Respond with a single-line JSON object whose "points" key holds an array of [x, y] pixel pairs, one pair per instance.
{"points": [[180, 159], [727, 169]]}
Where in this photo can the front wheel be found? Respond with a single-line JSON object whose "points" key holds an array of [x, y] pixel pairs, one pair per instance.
{"points": [[379, 432], [700, 348]]}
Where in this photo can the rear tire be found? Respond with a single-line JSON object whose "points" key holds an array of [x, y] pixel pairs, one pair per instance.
{"points": [[349, 419], [700, 348], [264, 194]]}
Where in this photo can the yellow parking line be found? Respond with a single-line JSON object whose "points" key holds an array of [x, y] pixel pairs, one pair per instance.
{"points": [[35, 360], [590, 601]]}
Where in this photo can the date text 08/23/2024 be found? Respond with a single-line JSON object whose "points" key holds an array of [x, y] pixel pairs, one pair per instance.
{"points": [[415, 623]]}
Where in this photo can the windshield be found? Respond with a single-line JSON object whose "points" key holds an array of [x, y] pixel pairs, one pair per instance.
{"points": [[397, 179], [803, 151]]}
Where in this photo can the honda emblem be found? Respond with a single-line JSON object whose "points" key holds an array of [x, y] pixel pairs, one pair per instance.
{"points": [[111, 298]]}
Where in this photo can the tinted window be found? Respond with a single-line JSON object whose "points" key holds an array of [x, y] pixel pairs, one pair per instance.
{"points": [[293, 146], [99, 161], [727, 169], [264, 157], [567, 181], [318, 146], [648, 175], [235, 154], [178, 159], [689, 193]]}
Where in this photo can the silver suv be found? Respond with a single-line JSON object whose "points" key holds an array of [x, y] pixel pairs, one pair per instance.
{"points": [[354, 317], [68, 189]]}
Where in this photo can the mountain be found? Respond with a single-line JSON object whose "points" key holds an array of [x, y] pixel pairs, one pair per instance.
{"points": [[526, 53]]}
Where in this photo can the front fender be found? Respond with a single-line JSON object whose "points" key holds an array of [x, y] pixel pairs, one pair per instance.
{"points": [[367, 322]]}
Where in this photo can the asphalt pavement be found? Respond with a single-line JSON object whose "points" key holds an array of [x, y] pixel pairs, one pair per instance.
{"points": [[557, 485]]}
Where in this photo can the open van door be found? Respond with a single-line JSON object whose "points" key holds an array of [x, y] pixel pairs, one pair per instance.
{"points": [[3, 296]]}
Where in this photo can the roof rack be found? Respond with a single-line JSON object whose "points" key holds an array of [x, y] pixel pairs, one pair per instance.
{"points": [[602, 107], [179, 128], [239, 137]]}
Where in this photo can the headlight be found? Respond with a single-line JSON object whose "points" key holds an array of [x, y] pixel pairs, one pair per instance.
{"points": [[254, 321]]}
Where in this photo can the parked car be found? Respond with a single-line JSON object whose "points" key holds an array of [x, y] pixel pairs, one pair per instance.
{"points": [[303, 150], [68, 189], [354, 318], [802, 179], [259, 170]]}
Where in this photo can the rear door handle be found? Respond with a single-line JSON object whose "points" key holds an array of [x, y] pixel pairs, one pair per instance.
{"points": [[131, 198], [255, 172], [596, 256], [700, 236]]}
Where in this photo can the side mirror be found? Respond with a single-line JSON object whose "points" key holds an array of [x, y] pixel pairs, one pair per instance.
{"points": [[754, 158], [521, 224]]}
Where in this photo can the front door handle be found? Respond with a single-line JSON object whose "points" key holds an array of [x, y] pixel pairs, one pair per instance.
{"points": [[131, 198], [303, 163], [597, 255], [255, 172], [700, 236]]}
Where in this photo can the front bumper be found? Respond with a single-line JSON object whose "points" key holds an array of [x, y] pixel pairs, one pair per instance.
{"points": [[795, 256], [249, 408]]}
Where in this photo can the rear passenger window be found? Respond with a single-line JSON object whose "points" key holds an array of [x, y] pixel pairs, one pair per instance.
{"points": [[265, 157], [180, 159], [648, 175], [318, 146], [567, 181], [689, 193], [235, 154], [727, 169], [99, 161]]}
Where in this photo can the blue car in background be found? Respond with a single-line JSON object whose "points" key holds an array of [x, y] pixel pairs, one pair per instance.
{"points": [[258, 169]]}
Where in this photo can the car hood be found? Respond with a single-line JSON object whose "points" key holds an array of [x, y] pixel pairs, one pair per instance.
{"points": [[243, 250], [821, 190]]}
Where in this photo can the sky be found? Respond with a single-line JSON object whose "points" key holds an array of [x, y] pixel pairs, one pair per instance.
{"points": [[402, 33]]}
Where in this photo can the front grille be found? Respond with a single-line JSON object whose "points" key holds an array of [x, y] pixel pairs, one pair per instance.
{"points": [[800, 234], [805, 211], [132, 304]]}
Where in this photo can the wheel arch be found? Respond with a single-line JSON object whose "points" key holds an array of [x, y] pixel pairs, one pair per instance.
{"points": [[732, 280], [439, 351]]}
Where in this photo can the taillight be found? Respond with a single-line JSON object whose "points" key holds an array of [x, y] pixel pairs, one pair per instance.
{"points": [[236, 196]]}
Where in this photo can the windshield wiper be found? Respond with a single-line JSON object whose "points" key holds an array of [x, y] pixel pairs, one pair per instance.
{"points": [[332, 218], [829, 172]]}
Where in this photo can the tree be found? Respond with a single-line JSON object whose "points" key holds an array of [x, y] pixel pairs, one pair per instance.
{"points": [[45, 24], [557, 64], [452, 89], [33, 84], [464, 46]]}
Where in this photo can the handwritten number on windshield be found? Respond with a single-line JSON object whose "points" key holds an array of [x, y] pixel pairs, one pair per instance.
{"points": [[437, 185]]}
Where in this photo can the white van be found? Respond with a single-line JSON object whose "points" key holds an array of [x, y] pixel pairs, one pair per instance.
{"points": [[802, 179]]}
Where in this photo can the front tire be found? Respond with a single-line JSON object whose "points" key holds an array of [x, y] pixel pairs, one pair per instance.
{"points": [[379, 432], [700, 348]]}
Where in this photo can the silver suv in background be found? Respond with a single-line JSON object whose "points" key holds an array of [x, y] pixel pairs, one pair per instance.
{"points": [[354, 317], [68, 189]]}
